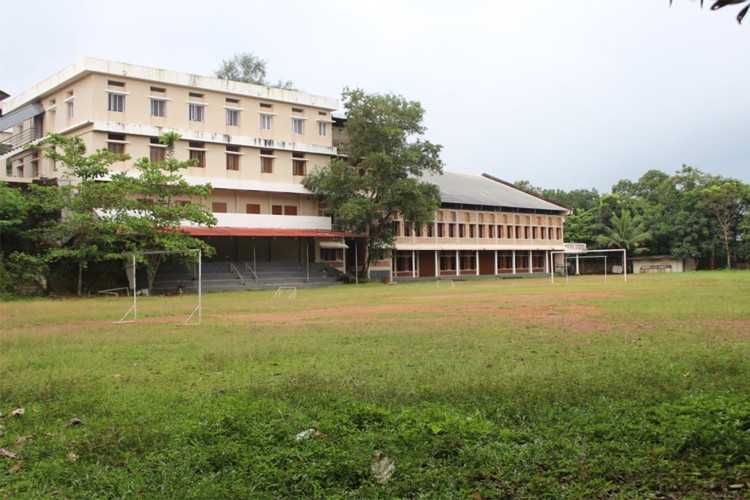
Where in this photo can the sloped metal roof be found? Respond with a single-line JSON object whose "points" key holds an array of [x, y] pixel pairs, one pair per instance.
{"points": [[484, 190], [20, 115]]}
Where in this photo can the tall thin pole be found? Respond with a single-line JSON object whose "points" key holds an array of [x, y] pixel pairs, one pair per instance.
{"points": [[356, 262], [135, 292], [200, 288]]}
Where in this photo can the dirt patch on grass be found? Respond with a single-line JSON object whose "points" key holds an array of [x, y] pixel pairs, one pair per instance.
{"points": [[528, 309]]}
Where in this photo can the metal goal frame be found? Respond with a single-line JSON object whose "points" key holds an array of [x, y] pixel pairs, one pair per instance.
{"points": [[196, 317]]}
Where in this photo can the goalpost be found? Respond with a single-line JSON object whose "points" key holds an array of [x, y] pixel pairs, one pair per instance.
{"points": [[134, 308], [583, 254]]}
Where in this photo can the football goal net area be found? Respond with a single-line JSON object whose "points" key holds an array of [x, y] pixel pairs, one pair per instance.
{"points": [[140, 288], [604, 263]]}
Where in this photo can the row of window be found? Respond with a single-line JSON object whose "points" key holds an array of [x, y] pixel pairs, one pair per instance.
{"points": [[254, 208], [197, 109], [449, 230], [116, 143], [467, 261]]}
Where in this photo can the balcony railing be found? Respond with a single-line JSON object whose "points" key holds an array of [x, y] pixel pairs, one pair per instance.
{"points": [[18, 140]]}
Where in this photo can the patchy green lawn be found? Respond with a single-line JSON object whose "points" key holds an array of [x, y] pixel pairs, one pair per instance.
{"points": [[494, 388]]}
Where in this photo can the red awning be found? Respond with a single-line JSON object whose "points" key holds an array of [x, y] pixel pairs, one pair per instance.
{"points": [[279, 233]]}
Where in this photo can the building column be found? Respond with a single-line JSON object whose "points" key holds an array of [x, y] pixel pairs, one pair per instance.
{"points": [[437, 263], [476, 262], [513, 261], [495, 273], [531, 262], [458, 264], [413, 264], [578, 263], [546, 262]]}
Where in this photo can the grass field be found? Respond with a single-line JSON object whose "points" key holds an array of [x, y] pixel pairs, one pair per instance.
{"points": [[491, 389]]}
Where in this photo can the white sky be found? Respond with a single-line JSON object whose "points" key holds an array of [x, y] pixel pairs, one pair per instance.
{"points": [[563, 94]]}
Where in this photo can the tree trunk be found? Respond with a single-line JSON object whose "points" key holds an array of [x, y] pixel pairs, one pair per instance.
{"points": [[80, 278], [726, 249]]}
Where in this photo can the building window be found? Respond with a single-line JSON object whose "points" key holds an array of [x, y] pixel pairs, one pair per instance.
{"points": [[404, 262], [198, 153], [298, 167], [196, 112], [298, 126], [116, 143], [233, 157], [440, 229], [277, 209], [252, 208], [266, 161], [290, 210], [158, 108], [70, 110], [233, 117], [331, 254], [219, 207], [298, 164], [447, 261], [468, 261], [265, 122], [115, 102], [505, 260], [157, 151], [322, 129]]}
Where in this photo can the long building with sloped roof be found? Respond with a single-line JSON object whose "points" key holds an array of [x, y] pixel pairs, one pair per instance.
{"points": [[484, 227]]}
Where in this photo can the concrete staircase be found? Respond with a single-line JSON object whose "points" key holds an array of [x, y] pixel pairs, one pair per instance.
{"points": [[226, 276]]}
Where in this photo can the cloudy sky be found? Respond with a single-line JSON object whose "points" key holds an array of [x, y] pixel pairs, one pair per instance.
{"points": [[562, 94]]}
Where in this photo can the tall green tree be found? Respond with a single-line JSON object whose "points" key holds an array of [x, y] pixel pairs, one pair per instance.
{"points": [[727, 201], [379, 175], [157, 202], [79, 233], [248, 68], [626, 232]]}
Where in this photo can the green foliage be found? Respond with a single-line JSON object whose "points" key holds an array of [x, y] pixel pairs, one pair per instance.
{"points": [[79, 233], [728, 202], [691, 214], [156, 203], [87, 219], [626, 232], [380, 177], [248, 68], [24, 274]]}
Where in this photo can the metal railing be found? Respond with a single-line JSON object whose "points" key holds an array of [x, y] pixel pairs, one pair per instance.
{"points": [[234, 269], [249, 269], [18, 140]]}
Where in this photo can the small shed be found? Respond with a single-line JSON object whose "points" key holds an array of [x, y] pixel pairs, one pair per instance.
{"points": [[661, 264]]}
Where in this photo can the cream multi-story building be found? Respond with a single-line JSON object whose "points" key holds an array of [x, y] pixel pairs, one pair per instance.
{"points": [[254, 145]]}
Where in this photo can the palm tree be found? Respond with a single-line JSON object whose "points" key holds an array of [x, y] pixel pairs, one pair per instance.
{"points": [[626, 232]]}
